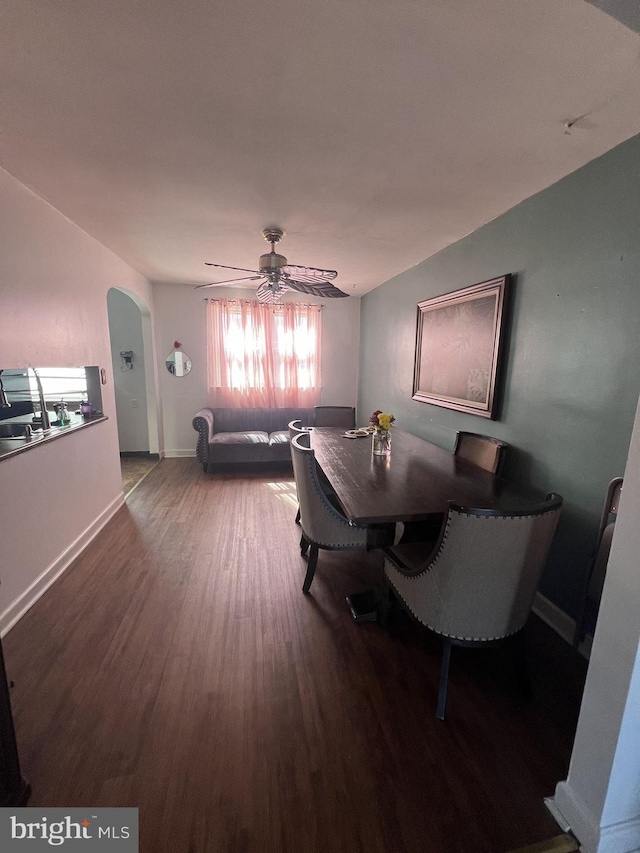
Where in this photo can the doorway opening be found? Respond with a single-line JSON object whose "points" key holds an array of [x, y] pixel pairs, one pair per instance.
{"points": [[134, 388]]}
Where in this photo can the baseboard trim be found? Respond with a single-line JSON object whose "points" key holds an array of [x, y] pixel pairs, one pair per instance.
{"points": [[568, 809], [179, 454], [555, 618], [16, 610], [562, 624], [571, 814], [556, 814], [620, 837]]}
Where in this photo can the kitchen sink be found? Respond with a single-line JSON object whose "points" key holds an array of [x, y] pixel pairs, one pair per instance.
{"points": [[20, 431]]}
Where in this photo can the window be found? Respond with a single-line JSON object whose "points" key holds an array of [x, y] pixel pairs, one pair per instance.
{"points": [[263, 355], [68, 383]]}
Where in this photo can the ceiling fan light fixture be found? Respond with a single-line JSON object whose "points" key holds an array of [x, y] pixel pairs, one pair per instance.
{"points": [[271, 261], [279, 276]]}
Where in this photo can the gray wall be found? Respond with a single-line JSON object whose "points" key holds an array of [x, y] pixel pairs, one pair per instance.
{"points": [[572, 359], [125, 330]]}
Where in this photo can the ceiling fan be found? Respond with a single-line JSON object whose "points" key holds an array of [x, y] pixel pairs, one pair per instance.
{"points": [[277, 275]]}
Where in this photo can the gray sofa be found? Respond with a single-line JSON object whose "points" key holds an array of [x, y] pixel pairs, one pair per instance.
{"points": [[245, 436]]}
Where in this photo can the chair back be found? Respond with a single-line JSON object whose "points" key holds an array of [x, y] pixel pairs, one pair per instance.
{"points": [[603, 542], [296, 428], [334, 416], [320, 520], [592, 592], [480, 581], [483, 450]]}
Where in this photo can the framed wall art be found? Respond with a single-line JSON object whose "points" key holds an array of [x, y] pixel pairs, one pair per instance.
{"points": [[458, 344]]}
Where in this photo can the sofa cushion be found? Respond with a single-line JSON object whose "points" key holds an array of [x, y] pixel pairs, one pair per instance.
{"points": [[245, 450], [280, 436], [279, 446], [257, 420], [240, 438]]}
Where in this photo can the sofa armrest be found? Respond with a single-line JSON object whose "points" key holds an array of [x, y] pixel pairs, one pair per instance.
{"points": [[203, 423]]}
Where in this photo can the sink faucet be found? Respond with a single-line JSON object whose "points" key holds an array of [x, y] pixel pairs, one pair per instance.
{"points": [[4, 401], [46, 423]]}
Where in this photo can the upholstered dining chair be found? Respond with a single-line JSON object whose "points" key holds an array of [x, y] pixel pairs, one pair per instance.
{"points": [[296, 428], [334, 416], [483, 450], [323, 525], [476, 586], [586, 621]]}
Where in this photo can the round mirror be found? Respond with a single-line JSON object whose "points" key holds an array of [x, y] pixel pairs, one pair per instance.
{"points": [[178, 362]]}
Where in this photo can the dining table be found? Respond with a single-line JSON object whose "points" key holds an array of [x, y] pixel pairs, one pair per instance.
{"points": [[413, 483]]}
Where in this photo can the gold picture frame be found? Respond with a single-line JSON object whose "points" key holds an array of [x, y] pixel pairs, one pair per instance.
{"points": [[458, 347]]}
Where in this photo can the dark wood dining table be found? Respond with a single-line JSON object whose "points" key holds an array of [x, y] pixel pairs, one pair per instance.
{"points": [[413, 483]]}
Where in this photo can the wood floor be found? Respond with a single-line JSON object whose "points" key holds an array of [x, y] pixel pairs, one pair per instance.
{"points": [[134, 469], [177, 667]]}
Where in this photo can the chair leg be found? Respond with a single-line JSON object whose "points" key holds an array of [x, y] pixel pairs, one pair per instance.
{"points": [[444, 678], [298, 516], [311, 568], [304, 545], [384, 605], [387, 605]]}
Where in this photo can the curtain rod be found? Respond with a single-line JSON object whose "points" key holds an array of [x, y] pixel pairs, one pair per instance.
{"points": [[266, 305]]}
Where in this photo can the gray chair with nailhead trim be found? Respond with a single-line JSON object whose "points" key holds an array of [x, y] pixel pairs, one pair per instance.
{"points": [[476, 585], [296, 428], [323, 525]]}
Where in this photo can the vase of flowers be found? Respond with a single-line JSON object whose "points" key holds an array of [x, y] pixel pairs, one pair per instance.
{"points": [[381, 439]]}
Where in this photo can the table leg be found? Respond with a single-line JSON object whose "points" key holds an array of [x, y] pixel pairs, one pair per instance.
{"points": [[371, 605]]}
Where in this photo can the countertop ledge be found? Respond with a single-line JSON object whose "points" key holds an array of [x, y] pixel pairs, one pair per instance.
{"points": [[11, 447]]}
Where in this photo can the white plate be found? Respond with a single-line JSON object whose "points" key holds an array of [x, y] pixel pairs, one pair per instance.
{"points": [[356, 433]]}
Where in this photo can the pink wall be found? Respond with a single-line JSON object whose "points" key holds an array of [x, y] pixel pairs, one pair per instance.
{"points": [[53, 311]]}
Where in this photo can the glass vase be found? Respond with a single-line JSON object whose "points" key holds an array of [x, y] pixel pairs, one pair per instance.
{"points": [[381, 444]]}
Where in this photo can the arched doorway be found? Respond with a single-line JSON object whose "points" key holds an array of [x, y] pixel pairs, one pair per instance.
{"points": [[134, 385]]}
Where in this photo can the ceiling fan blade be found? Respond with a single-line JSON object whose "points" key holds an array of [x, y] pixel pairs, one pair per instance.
{"points": [[310, 274], [229, 281], [225, 267], [267, 296], [324, 289]]}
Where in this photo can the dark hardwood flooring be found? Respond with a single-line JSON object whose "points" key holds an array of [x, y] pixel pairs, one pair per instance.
{"points": [[177, 666], [134, 469]]}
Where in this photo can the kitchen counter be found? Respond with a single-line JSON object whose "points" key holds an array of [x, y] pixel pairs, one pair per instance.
{"points": [[10, 447]]}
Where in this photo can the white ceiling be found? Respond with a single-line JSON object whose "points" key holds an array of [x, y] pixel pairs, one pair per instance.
{"points": [[375, 133]]}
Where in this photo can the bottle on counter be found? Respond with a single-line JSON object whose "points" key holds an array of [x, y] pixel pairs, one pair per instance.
{"points": [[63, 414], [86, 409]]}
